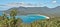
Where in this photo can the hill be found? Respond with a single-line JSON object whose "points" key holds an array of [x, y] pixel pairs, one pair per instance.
{"points": [[37, 10]]}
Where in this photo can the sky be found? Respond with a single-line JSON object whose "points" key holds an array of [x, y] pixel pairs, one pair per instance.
{"points": [[7, 4]]}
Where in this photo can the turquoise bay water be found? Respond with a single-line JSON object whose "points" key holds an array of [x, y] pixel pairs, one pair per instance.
{"points": [[30, 18]]}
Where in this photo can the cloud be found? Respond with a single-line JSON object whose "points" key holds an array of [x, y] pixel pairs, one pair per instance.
{"points": [[21, 4], [12, 5], [2, 5], [54, 1]]}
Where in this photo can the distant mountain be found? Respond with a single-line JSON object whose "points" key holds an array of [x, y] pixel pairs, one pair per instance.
{"points": [[37, 10]]}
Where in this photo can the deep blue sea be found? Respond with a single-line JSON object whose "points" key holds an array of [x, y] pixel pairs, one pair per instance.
{"points": [[30, 17]]}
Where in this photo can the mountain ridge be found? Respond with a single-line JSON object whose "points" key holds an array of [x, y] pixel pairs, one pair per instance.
{"points": [[37, 10]]}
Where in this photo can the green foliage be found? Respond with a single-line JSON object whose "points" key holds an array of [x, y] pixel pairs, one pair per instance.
{"points": [[17, 22], [13, 13], [9, 22]]}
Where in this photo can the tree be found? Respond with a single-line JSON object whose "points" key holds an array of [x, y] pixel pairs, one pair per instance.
{"points": [[18, 22], [13, 13], [4, 16]]}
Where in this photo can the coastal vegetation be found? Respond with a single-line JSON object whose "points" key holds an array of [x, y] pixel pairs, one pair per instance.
{"points": [[12, 21]]}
